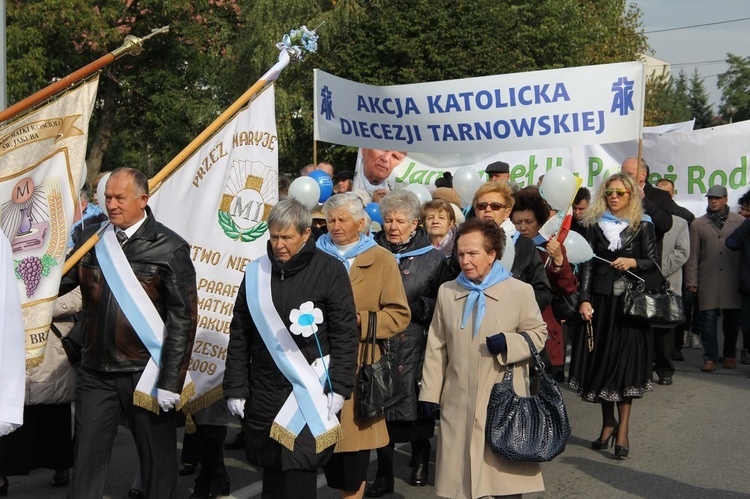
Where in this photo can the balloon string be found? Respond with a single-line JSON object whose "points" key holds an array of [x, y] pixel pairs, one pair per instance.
{"points": [[629, 272]]}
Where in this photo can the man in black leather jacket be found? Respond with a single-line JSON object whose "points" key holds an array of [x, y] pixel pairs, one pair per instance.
{"points": [[114, 357]]}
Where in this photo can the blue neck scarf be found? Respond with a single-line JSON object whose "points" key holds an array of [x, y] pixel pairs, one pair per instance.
{"points": [[325, 243], [476, 293], [609, 217], [416, 252]]}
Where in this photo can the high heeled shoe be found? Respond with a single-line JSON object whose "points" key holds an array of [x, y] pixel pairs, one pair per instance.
{"points": [[621, 451], [606, 443]]}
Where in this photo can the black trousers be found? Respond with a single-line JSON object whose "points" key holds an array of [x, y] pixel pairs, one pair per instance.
{"points": [[663, 346], [283, 484], [206, 447], [102, 401]]}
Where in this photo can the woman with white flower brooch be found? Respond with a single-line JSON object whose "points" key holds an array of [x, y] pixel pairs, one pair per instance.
{"points": [[377, 287], [292, 355]]}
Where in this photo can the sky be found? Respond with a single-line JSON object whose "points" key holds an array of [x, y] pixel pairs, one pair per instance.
{"points": [[692, 48]]}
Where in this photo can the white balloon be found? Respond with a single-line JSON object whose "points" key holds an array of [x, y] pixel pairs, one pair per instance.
{"points": [[100, 191], [420, 191], [559, 187], [577, 248], [509, 255], [466, 181], [305, 190]]}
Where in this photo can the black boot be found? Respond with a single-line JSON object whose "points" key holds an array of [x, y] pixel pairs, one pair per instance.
{"points": [[380, 487], [421, 457]]}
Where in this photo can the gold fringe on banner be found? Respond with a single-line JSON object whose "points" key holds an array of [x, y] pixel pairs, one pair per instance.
{"points": [[35, 361], [329, 438], [283, 436], [188, 392], [146, 401], [208, 398]]}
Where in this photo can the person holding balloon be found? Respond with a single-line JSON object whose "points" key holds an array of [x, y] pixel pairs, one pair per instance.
{"points": [[529, 214], [611, 362]]}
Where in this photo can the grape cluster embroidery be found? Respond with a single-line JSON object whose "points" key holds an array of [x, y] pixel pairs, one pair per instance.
{"points": [[31, 269]]}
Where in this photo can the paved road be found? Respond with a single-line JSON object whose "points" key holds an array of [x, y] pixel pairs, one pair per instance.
{"points": [[688, 440]]}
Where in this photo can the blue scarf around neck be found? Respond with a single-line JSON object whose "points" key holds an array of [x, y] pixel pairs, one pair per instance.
{"points": [[326, 244], [476, 293], [609, 217]]}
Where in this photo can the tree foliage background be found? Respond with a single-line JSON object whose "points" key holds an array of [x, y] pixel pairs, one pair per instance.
{"points": [[149, 107]]}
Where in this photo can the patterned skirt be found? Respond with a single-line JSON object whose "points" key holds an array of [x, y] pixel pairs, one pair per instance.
{"points": [[619, 365]]}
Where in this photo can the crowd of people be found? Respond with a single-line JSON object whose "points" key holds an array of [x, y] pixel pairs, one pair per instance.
{"points": [[444, 288]]}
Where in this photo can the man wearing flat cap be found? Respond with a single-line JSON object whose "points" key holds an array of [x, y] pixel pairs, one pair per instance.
{"points": [[343, 182], [499, 171], [711, 271]]}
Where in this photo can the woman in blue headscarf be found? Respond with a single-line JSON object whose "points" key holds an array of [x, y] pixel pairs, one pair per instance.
{"points": [[611, 361], [473, 339]]}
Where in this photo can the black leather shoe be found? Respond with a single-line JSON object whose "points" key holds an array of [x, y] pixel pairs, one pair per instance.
{"points": [[188, 469], [136, 494], [621, 452], [380, 487], [677, 355], [419, 475], [667, 380], [237, 443], [61, 480]]}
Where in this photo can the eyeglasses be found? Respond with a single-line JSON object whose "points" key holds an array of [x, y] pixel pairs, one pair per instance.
{"points": [[620, 192], [492, 206]]}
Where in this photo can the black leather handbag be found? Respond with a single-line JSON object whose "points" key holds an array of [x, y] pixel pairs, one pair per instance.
{"points": [[531, 429], [660, 307], [379, 384]]}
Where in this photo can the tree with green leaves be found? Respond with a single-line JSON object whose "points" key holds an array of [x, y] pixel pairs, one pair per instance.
{"points": [[666, 99], [148, 107], [735, 88], [698, 102]]}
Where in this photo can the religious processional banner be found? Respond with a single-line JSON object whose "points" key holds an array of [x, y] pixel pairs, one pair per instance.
{"points": [[219, 200], [42, 162], [512, 112], [693, 159]]}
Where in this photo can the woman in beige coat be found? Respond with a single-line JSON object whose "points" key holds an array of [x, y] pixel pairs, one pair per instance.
{"points": [[472, 339], [377, 287]]}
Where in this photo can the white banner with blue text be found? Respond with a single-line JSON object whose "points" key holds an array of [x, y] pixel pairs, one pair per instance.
{"points": [[512, 112]]}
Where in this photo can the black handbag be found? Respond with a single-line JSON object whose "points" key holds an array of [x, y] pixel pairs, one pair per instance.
{"points": [[564, 306], [531, 429], [660, 307], [72, 342], [379, 384]]}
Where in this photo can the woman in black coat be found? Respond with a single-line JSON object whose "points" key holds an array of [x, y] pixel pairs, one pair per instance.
{"points": [[420, 264], [617, 368], [300, 273]]}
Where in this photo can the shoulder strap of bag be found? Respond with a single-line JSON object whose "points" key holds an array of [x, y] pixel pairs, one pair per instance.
{"points": [[539, 364]]}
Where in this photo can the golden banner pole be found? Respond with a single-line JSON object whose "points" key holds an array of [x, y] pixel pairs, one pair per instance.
{"points": [[131, 45]]}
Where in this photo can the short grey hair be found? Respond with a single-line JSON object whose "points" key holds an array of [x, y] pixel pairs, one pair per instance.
{"points": [[401, 201], [348, 201], [290, 212], [140, 182]]}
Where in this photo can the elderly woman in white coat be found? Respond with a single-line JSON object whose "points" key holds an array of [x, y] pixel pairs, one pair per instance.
{"points": [[471, 342]]}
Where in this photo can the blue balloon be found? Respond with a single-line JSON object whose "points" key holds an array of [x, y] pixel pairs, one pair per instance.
{"points": [[325, 183], [373, 210]]}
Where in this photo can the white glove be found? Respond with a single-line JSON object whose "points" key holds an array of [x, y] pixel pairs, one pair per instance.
{"points": [[167, 400], [6, 428], [335, 403], [236, 407]]}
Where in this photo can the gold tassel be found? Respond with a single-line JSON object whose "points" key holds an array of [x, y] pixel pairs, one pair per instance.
{"points": [[328, 439], [283, 436], [190, 426], [35, 362], [146, 402]]}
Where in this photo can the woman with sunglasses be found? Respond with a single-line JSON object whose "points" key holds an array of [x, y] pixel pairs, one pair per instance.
{"points": [[611, 362], [494, 201]]}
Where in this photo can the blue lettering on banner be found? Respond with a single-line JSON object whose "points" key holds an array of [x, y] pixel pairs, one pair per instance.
{"points": [[623, 99], [326, 105], [526, 95], [557, 124], [387, 105], [408, 134]]}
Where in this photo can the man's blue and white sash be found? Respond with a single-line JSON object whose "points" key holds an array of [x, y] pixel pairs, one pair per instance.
{"points": [[307, 404], [140, 312]]}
